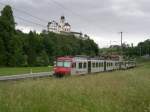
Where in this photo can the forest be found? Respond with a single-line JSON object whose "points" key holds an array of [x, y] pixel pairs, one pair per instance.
{"points": [[18, 49], [142, 49]]}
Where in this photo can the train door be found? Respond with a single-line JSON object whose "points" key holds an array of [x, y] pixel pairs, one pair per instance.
{"points": [[105, 65], [120, 65], [89, 66], [73, 68]]}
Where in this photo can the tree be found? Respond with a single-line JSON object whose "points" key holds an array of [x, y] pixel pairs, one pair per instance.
{"points": [[144, 47], [7, 31], [31, 49], [42, 59], [7, 16], [17, 58], [2, 53]]}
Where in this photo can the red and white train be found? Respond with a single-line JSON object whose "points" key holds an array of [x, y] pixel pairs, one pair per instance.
{"points": [[84, 65]]}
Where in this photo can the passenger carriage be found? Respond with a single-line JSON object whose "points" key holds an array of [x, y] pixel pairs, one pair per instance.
{"points": [[80, 66], [123, 65], [97, 65], [117, 65], [131, 64], [109, 65]]}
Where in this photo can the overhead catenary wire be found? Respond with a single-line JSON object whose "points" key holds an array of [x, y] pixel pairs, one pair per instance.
{"points": [[69, 10], [28, 21], [25, 20], [21, 11], [84, 19], [43, 20], [55, 2]]}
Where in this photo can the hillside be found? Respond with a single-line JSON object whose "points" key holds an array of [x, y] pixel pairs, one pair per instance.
{"points": [[33, 49]]}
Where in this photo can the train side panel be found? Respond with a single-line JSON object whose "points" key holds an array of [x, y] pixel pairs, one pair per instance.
{"points": [[109, 65], [81, 67], [97, 66]]}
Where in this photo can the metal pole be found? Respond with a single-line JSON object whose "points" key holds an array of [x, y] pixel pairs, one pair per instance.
{"points": [[30, 71], [121, 44], [149, 51]]}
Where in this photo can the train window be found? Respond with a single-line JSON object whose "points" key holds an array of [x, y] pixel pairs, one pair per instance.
{"points": [[99, 64], [60, 63], [80, 65], [55, 63], [116, 64], [102, 64], [96, 64], [67, 64], [93, 65], [84, 66], [107, 64]]}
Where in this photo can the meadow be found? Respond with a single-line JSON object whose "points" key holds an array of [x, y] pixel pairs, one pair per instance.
{"points": [[23, 70], [118, 91]]}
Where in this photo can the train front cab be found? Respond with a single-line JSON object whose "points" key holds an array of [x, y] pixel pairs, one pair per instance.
{"points": [[70, 66], [63, 66]]}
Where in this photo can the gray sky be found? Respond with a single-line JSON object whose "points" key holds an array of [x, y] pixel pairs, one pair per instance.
{"points": [[101, 19]]}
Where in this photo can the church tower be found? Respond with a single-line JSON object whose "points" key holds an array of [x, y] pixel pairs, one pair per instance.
{"points": [[62, 23]]}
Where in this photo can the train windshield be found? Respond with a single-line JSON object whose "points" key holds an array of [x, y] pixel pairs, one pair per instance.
{"points": [[60, 63], [64, 64], [67, 64]]}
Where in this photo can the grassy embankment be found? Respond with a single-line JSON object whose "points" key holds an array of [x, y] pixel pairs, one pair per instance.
{"points": [[119, 91], [22, 70]]}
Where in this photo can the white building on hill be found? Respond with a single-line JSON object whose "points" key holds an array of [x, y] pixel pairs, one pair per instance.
{"points": [[64, 28], [56, 27]]}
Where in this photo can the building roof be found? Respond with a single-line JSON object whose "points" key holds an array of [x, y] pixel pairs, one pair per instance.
{"points": [[62, 17], [67, 24], [76, 33], [53, 22]]}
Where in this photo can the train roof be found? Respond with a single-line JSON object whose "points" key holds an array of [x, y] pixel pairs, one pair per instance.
{"points": [[79, 57], [65, 58]]}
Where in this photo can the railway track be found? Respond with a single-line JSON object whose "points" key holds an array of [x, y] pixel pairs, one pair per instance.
{"points": [[26, 76]]}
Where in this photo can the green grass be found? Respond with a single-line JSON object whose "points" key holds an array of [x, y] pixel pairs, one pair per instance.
{"points": [[23, 70], [119, 91]]}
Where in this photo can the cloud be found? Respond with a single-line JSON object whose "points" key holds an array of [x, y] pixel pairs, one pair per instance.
{"points": [[101, 19]]}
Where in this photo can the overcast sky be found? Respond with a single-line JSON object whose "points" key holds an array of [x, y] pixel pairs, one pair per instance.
{"points": [[101, 19]]}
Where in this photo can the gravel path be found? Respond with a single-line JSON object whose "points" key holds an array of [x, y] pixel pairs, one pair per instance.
{"points": [[26, 76]]}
